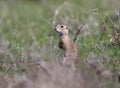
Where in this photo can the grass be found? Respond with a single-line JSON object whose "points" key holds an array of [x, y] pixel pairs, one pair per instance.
{"points": [[24, 23], [27, 30]]}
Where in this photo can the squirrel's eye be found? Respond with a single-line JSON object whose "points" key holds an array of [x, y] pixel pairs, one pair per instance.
{"points": [[62, 26]]}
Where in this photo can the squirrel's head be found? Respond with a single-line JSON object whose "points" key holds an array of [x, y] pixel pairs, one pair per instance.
{"points": [[62, 29]]}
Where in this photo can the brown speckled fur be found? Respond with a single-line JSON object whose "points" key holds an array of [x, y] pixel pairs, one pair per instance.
{"points": [[67, 44]]}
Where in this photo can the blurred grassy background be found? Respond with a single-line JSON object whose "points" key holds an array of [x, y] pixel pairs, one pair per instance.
{"points": [[27, 29]]}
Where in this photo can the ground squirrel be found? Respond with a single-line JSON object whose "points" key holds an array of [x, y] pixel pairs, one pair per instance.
{"points": [[67, 44]]}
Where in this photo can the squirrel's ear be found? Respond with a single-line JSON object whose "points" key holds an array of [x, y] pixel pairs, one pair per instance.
{"points": [[67, 28]]}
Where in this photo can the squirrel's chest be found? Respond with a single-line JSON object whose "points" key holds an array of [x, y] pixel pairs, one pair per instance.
{"points": [[66, 44], [62, 42], [61, 45]]}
